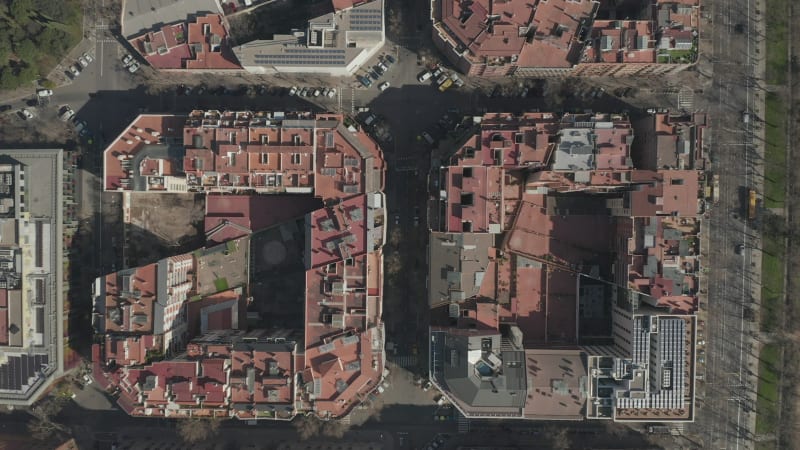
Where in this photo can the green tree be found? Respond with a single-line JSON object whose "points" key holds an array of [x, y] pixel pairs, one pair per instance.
{"points": [[7, 79], [27, 74], [25, 50], [20, 10]]}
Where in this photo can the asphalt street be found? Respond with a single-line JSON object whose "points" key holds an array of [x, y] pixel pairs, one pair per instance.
{"points": [[726, 419]]}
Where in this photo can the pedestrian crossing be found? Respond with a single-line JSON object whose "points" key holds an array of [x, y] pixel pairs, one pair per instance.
{"points": [[406, 362], [463, 424], [686, 99]]}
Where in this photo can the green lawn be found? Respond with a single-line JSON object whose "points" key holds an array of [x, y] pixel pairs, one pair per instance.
{"points": [[768, 386], [772, 283], [777, 14], [775, 155]]}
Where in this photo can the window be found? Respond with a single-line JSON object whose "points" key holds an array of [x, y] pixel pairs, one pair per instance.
{"points": [[469, 152], [296, 139], [518, 138], [466, 199], [466, 226], [295, 158], [676, 182], [264, 158], [467, 172], [264, 139]]}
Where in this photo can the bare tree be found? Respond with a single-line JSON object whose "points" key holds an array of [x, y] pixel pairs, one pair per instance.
{"points": [[558, 438], [396, 20], [43, 427], [334, 429], [310, 426], [307, 427], [197, 429]]}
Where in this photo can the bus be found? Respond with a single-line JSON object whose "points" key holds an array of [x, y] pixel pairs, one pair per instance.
{"points": [[715, 191], [751, 204]]}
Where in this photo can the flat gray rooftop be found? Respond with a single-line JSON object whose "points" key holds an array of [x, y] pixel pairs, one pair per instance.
{"points": [[139, 16]]}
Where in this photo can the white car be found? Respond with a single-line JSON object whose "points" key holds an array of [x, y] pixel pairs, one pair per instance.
{"points": [[74, 71], [26, 114], [127, 59], [88, 57], [332, 93], [317, 92], [383, 86], [83, 62], [133, 67], [292, 91], [67, 114], [424, 76], [44, 92]]}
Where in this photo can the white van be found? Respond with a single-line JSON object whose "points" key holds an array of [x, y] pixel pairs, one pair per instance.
{"points": [[424, 76]]}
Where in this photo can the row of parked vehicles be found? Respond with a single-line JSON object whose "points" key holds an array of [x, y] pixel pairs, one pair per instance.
{"points": [[375, 73], [312, 92], [441, 77], [84, 60]]}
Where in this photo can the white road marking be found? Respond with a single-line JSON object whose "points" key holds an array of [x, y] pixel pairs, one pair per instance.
{"points": [[100, 59]]}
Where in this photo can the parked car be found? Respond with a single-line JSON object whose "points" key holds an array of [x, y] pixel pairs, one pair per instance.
{"points": [[384, 68], [437, 71], [44, 92], [88, 57], [317, 93], [74, 71], [83, 62], [375, 76], [26, 114], [292, 91], [331, 92], [81, 127], [4, 108], [66, 114], [365, 81], [133, 67], [424, 76], [383, 86], [127, 59], [389, 59]]}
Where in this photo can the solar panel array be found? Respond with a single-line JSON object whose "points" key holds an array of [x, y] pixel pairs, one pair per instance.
{"points": [[304, 57], [300, 60], [18, 370], [366, 20]]}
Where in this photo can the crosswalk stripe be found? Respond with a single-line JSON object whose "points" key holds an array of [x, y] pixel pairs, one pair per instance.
{"points": [[463, 424], [405, 361]]}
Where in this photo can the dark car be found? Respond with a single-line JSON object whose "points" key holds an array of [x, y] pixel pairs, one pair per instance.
{"points": [[374, 75], [4, 108], [389, 59], [364, 81]]}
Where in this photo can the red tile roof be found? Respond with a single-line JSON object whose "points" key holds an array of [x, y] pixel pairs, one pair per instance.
{"points": [[338, 232], [205, 46], [231, 216]]}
